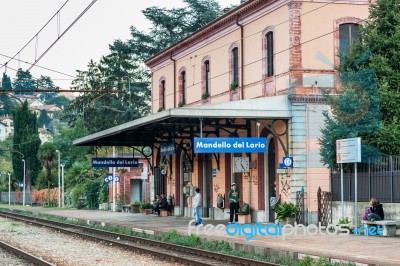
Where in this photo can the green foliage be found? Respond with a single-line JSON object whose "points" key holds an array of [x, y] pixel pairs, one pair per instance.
{"points": [[63, 141], [144, 206], [26, 141], [103, 195], [233, 86], [285, 210], [48, 158], [24, 81], [205, 95], [92, 191], [60, 101], [76, 193], [46, 83], [378, 53], [136, 202], [44, 119], [344, 220]]}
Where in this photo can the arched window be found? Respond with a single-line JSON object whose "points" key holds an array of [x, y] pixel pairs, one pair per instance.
{"points": [[235, 61], [269, 41], [183, 86], [162, 95], [207, 76], [348, 34]]}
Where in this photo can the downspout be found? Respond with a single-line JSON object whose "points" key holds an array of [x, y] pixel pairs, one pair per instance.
{"points": [[241, 57], [173, 60]]}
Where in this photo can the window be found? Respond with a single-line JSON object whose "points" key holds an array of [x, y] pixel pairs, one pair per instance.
{"points": [[348, 34], [162, 94], [183, 76], [235, 57], [270, 53], [207, 76]]}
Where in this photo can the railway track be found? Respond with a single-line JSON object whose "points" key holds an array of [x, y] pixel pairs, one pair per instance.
{"points": [[162, 250], [25, 255]]}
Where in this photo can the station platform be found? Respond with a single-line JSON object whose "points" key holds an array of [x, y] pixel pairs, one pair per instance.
{"points": [[360, 249]]}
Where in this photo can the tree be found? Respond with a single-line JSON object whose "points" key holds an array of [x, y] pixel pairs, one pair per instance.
{"points": [[377, 54], [122, 68], [44, 119], [26, 141], [61, 102], [63, 141], [6, 82], [24, 81], [46, 83], [47, 157], [172, 25], [5, 101]]}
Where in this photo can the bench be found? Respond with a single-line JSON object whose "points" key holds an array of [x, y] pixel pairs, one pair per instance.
{"points": [[389, 227]]}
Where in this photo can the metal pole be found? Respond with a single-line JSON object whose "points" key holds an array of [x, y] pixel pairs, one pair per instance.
{"points": [[62, 184], [355, 195], [9, 188], [114, 184], [23, 190], [341, 189], [59, 188]]}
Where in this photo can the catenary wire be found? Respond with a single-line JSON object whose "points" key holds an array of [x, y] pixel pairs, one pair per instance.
{"points": [[62, 34], [36, 34]]}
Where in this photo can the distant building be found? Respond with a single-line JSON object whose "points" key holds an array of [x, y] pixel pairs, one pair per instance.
{"points": [[9, 129], [50, 108], [3, 128], [45, 135]]}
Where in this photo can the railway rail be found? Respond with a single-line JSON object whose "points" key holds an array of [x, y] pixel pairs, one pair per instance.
{"points": [[161, 250], [25, 255]]}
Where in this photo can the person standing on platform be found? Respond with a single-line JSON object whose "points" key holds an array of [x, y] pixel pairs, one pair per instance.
{"points": [[233, 196], [197, 206]]}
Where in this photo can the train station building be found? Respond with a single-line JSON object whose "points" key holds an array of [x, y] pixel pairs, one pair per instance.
{"points": [[257, 72]]}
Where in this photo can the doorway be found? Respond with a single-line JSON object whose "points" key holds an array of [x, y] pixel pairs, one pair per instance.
{"points": [[136, 190]]}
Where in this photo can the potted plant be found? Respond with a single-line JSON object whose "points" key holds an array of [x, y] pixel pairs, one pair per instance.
{"points": [[135, 206], [344, 222], [233, 86], [286, 212], [145, 208], [205, 95]]}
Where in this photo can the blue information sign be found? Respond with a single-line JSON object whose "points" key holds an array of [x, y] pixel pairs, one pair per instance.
{"points": [[167, 148], [109, 178], [230, 145], [115, 162], [287, 162], [214, 172]]}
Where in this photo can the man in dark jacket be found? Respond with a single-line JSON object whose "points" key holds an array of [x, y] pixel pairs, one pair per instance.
{"points": [[377, 210], [163, 204]]}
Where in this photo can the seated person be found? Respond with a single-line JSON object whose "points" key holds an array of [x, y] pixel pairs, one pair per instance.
{"points": [[163, 204], [377, 213], [156, 201]]}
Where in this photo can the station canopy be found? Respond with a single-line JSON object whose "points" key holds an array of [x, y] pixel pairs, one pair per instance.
{"points": [[187, 122]]}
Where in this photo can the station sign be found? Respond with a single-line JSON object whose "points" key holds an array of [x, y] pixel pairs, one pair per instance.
{"points": [[167, 149], [230, 145], [115, 162]]}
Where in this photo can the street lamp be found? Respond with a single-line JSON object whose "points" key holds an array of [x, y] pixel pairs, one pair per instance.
{"points": [[59, 188], [23, 191], [62, 184]]}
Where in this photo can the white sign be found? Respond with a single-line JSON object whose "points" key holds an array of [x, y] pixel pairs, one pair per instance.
{"points": [[281, 171], [348, 150]]}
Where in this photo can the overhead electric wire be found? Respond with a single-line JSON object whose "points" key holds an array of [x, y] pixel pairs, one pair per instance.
{"points": [[62, 34], [37, 33], [29, 63]]}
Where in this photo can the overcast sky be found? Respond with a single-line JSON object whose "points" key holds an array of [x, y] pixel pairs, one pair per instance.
{"points": [[89, 38]]}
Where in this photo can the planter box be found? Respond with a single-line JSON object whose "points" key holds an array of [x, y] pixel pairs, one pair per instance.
{"points": [[135, 208], [146, 211]]}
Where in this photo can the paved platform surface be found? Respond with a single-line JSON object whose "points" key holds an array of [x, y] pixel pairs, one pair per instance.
{"points": [[371, 250]]}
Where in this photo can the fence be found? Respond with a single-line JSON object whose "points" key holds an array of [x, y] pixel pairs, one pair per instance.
{"points": [[378, 178], [15, 197]]}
